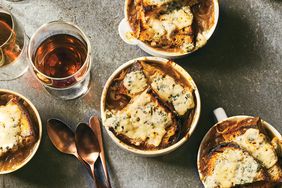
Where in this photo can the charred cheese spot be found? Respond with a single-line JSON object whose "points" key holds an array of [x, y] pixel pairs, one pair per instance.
{"points": [[232, 167], [166, 87], [257, 145], [143, 120], [135, 82]]}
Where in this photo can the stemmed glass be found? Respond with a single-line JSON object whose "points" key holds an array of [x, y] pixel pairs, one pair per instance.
{"points": [[60, 57], [13, 45]]}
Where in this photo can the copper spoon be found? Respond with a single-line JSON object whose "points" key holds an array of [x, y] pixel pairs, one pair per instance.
{"points": [[96, 127], [63, 138], [87, 146]]}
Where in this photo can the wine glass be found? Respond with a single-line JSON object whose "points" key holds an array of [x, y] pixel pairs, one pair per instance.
{"points": [[60, 57], [13, 45]]}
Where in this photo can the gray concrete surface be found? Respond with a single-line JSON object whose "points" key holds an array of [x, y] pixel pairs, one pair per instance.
{"points": [[240, 69]]}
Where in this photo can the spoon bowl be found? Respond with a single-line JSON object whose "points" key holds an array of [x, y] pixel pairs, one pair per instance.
{"points": [[87, 146], [61, 136]]}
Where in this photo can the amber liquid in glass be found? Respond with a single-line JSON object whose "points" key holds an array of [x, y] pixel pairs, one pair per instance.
{"points": [[8, 39], [60, 56], [5, 27]]}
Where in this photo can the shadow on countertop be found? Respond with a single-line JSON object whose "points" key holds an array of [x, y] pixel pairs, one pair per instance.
{"points": [[229, 51], [47, 162]]}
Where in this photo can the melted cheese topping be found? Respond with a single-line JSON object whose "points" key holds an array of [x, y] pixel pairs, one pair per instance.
{"points": [[156, 2], [256, 144], [9, 127], [168, 23], [232, 167], [169, 90], [143, 120], [179, 18], [135, 82], [157, 28], [166, 26]]}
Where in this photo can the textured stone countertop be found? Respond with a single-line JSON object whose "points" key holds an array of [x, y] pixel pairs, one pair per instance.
{"points": [[239, 69]]}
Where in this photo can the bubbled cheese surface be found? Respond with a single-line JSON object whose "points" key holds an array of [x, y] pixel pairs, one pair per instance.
{"points": [[135, 82], [232, 167], [179, 18], [256, 143], [143, 120], [167, 23], [166, 87], [9, 127]]}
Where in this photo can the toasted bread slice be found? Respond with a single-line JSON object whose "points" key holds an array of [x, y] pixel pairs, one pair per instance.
{"points": [[258, 146], [275, 173], [231, 129], [16, 128], [250, 135], [129, 83], [170, 90], [228, 166], [277, 144], [134, 81], [144, 122]]}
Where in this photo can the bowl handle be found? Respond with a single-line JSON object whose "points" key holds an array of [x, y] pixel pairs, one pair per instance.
{"points": [[124, 31], [219, 114]]}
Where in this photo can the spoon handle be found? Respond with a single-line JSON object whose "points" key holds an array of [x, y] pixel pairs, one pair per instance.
{"points": [[96, 127], [86, 165], [97, 184]]}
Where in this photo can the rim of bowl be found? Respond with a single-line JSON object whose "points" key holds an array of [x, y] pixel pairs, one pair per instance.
{"points": [[171, 147], [207, 34], [266, 124], [36, 146]]}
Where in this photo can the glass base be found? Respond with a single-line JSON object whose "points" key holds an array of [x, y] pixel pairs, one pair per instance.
{"points": [[14, 69], [73, 92], [18, 67]]}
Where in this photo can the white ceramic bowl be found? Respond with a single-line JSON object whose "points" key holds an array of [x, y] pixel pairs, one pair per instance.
{"points": [[36, 118], [152, 153], [124, 30], [221, 117]]}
